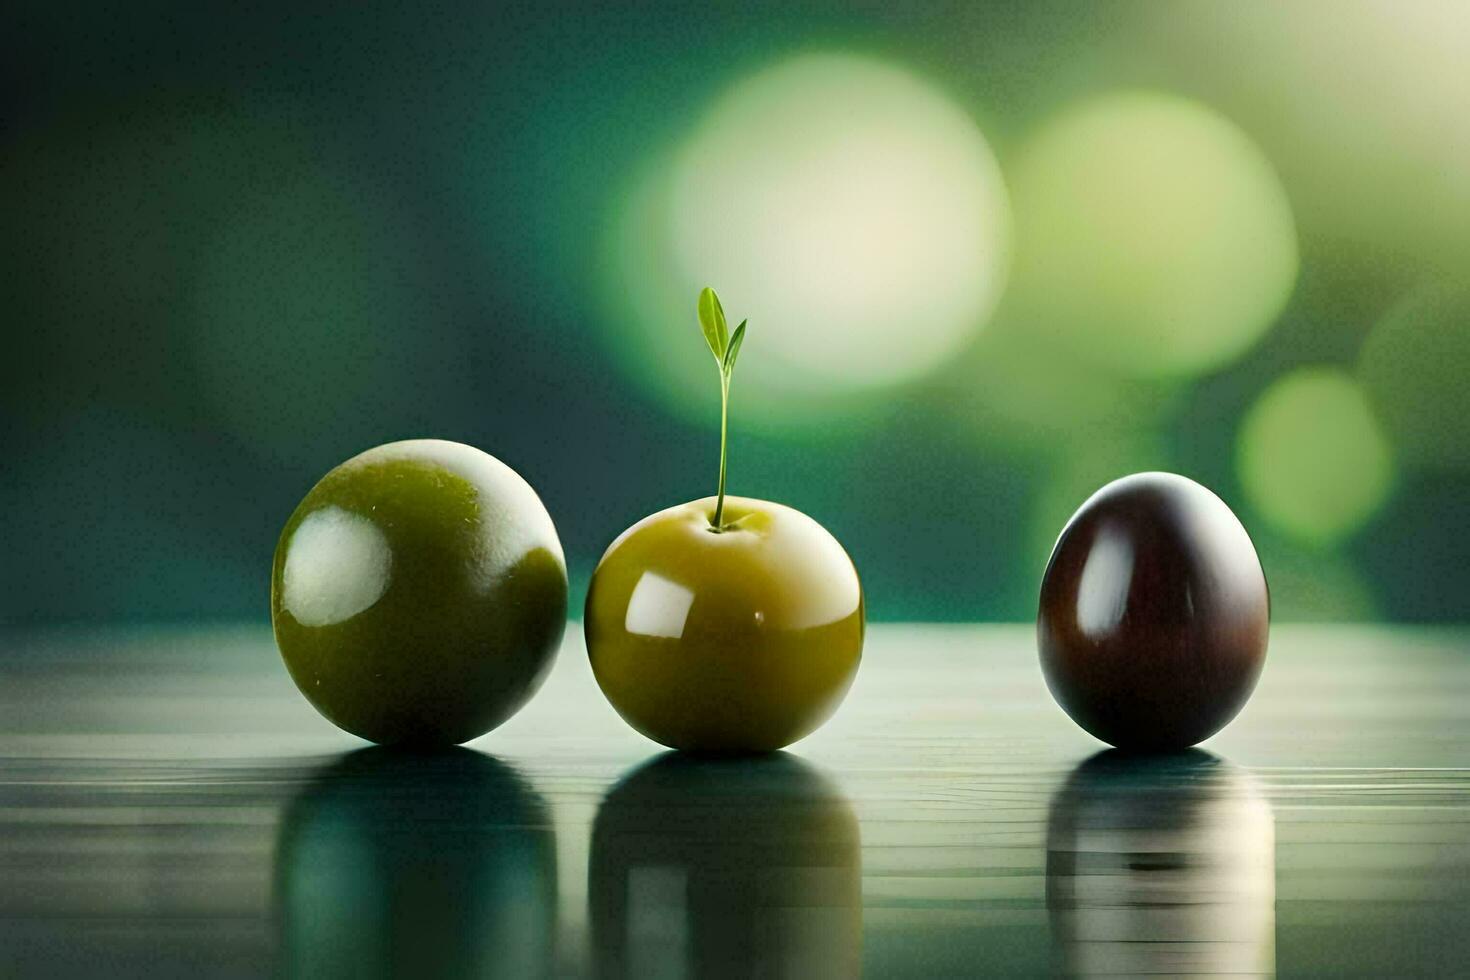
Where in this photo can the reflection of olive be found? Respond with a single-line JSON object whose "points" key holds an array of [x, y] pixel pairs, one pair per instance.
{"points": [[419, 593], [726, 867], [394, 863], [1161, 864]]}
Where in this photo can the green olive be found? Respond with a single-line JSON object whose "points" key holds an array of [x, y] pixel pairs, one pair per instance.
{"points": [[419, 593], [743, 639]]}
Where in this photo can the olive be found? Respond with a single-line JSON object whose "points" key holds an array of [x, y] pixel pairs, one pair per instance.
{"points": [[746, 867], [743, 638], [396, 862], [1153, 614], [419, 593]]}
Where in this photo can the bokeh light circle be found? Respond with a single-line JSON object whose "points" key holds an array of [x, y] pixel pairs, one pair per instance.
{"points": [[1362, 106], [1153, 237], [1413, 365], [851, 210], [1312, 456]]}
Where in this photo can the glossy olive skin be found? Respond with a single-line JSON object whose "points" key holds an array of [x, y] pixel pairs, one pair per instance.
{"points": [[756, 863], [419, 593], [1154, 614], [402, 863], [742, 640]]}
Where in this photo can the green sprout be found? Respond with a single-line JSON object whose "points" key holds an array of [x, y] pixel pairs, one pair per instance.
{"points": [[726, 347]]}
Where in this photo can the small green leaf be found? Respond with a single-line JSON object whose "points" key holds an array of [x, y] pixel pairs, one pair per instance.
{"points": [[734, 350], [712, 322], [720, 323]]}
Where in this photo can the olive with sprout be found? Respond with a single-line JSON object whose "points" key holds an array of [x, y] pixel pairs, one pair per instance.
{"points": [[726, 624]]}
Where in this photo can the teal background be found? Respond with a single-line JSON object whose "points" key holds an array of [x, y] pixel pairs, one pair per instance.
{"points": [[239, 245]]}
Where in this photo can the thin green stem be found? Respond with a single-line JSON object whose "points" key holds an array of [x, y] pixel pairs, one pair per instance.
{"points": [[719, 522]]}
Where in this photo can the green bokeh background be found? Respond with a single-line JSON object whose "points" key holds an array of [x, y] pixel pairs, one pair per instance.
{"points": [[238, 245]]}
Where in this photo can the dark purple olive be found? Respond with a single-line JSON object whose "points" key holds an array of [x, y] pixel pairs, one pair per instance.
{"points": [[1154, 614]]}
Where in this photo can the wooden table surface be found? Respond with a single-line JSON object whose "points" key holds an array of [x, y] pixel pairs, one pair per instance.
{"points": [[170, 806]]}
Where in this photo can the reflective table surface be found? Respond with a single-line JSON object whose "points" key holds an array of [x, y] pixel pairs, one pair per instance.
{"points": [[171, 806]]}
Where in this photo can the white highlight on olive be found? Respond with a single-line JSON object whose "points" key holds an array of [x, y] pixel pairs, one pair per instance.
{"points": [[1102, 595], [658, 607], [337, 565]]}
